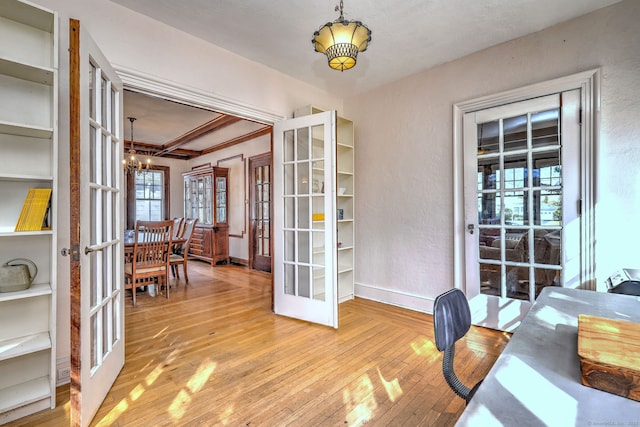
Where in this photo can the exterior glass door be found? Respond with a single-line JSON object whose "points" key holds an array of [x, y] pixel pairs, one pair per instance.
{"points": [[522, 186]]}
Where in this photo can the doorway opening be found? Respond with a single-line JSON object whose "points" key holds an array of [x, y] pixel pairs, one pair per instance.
{"points": [[235, 124]]}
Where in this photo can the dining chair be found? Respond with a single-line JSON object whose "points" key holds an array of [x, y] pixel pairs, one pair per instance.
{"points": [[150, 258], [451, 321], [180, 253], [178, 224]]}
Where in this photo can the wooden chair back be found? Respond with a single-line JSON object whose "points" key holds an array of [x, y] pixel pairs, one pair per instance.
{"points": [[151, 252], [189, 225], [181, 254], [178, 227]]}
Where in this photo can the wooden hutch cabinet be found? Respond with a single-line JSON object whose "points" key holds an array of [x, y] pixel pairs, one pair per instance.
{"points": [[206, 197]]}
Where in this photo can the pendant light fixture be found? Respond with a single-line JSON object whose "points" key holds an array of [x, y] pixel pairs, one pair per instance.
{"points": [[132, 164], [341, 40]]}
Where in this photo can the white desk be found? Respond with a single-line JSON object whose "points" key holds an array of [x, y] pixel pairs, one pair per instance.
{"points": [[536, 381]]}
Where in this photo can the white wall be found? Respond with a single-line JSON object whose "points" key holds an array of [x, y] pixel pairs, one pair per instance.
{"points": [[404, 161], [135, 42]]}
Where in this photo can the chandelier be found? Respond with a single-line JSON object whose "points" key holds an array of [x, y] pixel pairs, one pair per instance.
{"points": [[341, 40], [132, 164]]}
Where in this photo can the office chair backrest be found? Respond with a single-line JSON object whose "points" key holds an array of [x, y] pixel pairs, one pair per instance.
{"points": [[451, 321], [451, 318]]}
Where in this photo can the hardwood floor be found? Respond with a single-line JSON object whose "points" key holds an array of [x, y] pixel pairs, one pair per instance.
{"points": [[215, 354]]}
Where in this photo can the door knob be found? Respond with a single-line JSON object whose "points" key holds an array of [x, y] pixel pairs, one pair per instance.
{"points": [[88, 250]]}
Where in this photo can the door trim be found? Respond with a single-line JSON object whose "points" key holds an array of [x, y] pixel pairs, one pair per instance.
{"points": [[152, 85], [589, 84]]}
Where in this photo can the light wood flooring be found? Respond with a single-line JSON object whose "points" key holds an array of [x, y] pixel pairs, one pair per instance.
{"points": [[215, 354]]}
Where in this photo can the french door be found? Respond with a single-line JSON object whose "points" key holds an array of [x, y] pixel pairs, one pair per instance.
{"points": [[260, 199], [305, 279], [97, 314], [521, 204]]}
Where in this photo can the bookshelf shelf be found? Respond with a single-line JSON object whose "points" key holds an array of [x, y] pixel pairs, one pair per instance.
{"points": [[28, 149]]}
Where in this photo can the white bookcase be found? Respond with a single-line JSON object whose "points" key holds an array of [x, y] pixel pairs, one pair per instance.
{"points": [[28, 148], [344, 152]]}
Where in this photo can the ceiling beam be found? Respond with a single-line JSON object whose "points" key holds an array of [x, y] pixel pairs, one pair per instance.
{"points": [[238, 140], [211, 126], [172, 149]]}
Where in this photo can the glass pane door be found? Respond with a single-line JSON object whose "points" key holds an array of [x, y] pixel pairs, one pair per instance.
{"points": [[221, 199], [305, 220], [97, 352], [519, 213], [260, 199], [520, 192]]}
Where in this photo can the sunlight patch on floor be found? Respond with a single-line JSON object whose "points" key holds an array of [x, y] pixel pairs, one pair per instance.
{"points": [[425, 347], [179, 405], [153, 375], [181, 402], [161, 332], [137, 391], [200, 378], [360, 402], [114, 414], [394, 391], [224, 417]]}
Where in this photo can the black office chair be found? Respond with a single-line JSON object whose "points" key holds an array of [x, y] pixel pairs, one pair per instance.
{"points": [[451, 321]]}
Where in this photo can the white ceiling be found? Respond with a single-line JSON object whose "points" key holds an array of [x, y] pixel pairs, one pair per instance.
{"points": [[408, 36], [159, 122]]}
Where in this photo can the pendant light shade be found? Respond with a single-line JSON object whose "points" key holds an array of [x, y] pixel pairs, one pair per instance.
{"points": [[341, 40]]}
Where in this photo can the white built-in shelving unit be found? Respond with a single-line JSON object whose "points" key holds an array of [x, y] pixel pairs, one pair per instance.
{"points": [[28, 149], [345, 238]]}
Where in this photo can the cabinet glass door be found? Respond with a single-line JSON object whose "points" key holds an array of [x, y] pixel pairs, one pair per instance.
{"points": [[205, 195], [221, 199]]}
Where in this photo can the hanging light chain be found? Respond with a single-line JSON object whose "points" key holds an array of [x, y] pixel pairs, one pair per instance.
{"points": [[339, 8]]}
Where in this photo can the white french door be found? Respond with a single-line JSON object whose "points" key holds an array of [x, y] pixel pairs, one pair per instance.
{"points": [[304, 161], [97, 352], [521, 204]]}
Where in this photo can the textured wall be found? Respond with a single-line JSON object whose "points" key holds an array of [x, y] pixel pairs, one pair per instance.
{"points": [[404, 161]]}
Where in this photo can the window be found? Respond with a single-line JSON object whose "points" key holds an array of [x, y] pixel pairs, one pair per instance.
{"points": [[148, 196]]}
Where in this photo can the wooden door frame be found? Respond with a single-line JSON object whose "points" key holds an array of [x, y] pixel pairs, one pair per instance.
{"points": [[262, 160], [74, 219]]}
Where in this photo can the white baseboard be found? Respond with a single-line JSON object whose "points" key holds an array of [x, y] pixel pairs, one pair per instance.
{"points": [[394, 297]]}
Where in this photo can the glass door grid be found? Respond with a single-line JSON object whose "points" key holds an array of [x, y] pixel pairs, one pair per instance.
{"points": [[521, 209], [305, 219]]}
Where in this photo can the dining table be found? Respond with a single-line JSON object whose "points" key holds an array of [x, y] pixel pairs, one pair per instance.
{"points": [[537, 380], [129, 243]]}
